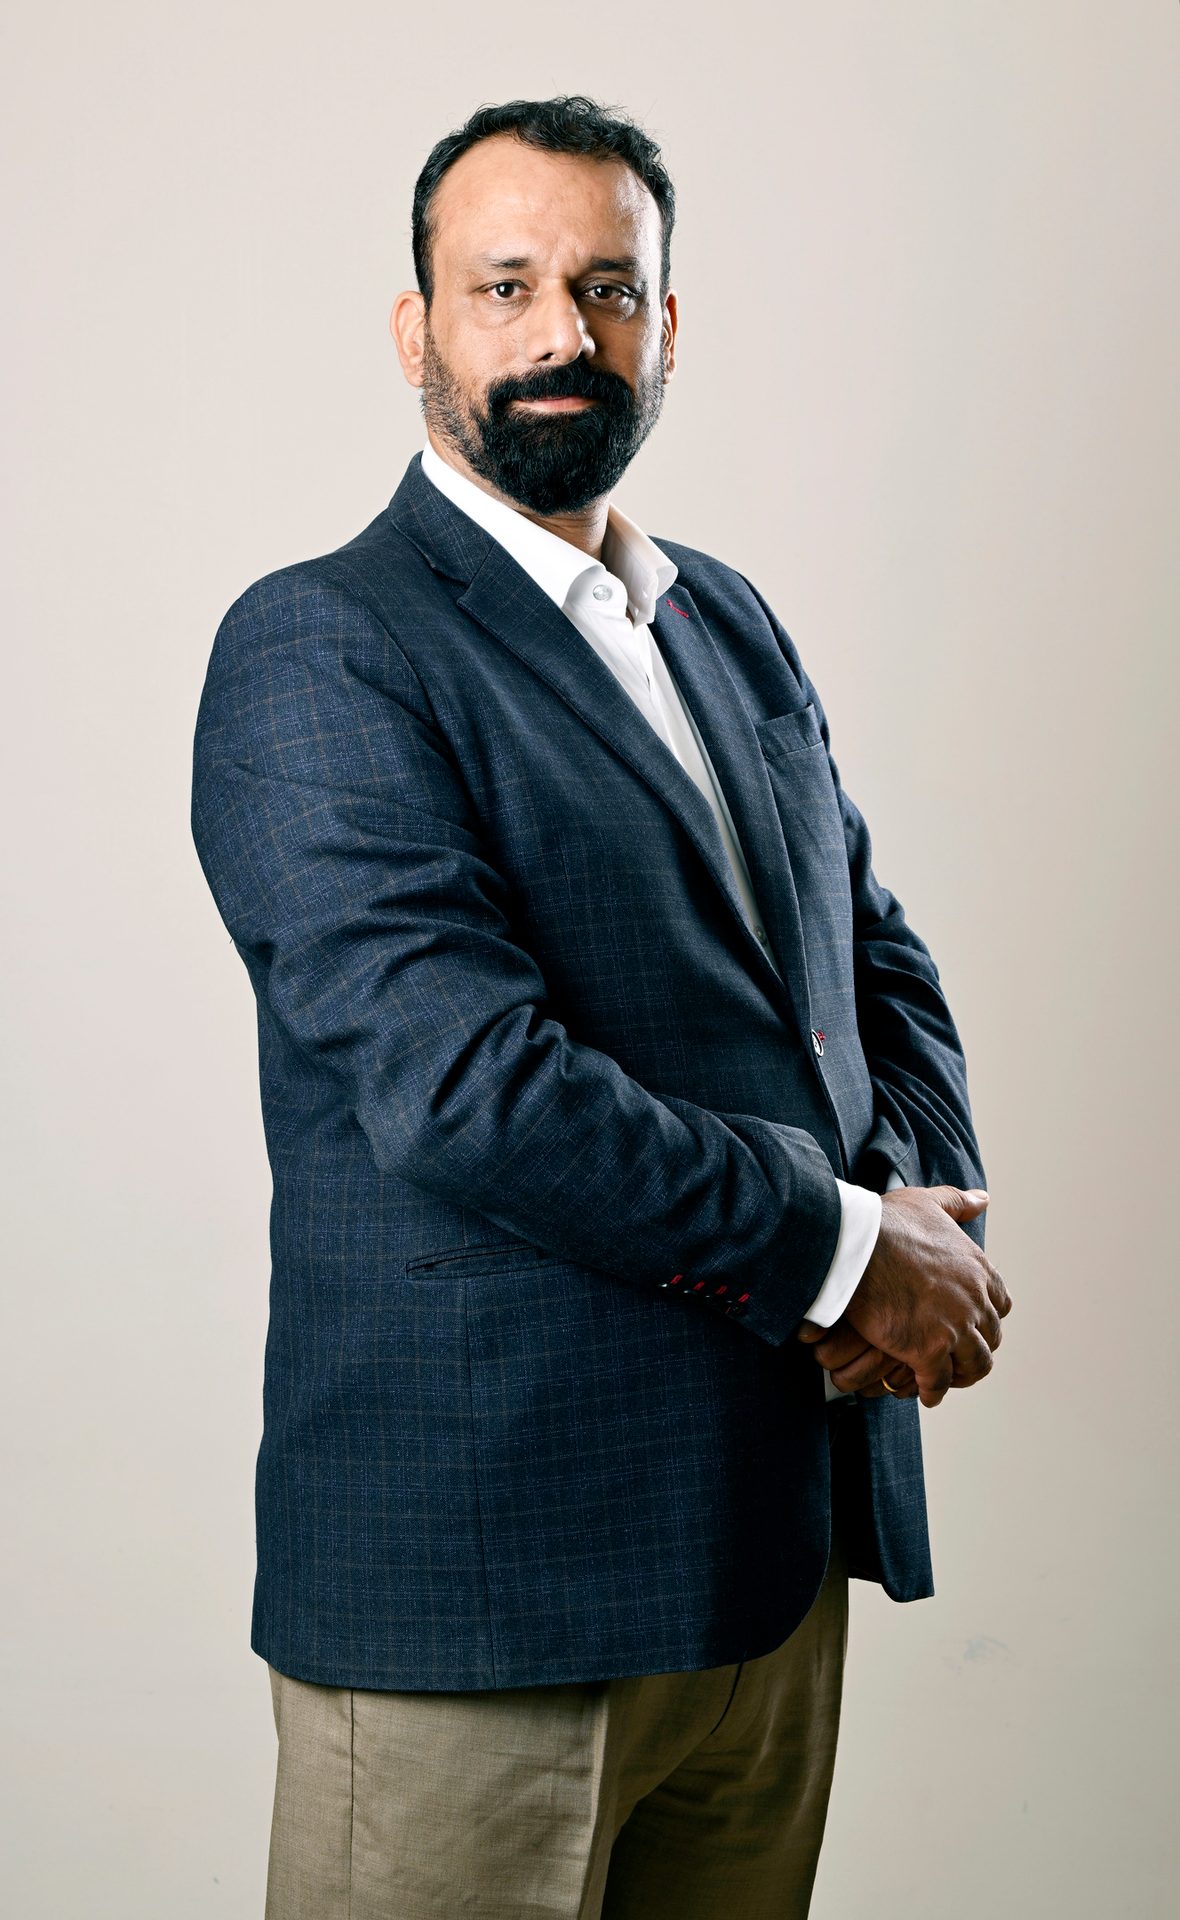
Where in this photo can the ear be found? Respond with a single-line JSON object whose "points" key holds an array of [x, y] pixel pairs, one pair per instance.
{"points": [[668, 338], [407, 324]]}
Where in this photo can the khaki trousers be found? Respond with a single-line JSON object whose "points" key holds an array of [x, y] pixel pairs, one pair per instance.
{"points": [[669, 1796]]}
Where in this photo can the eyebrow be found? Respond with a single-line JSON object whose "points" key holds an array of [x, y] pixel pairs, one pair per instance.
{"points": [[626, 263]]}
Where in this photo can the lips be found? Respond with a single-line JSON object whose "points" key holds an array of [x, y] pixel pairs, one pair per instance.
{"points": [[564, 403]]}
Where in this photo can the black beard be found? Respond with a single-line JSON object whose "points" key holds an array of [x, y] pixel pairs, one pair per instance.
{"points": [[548, 462]]}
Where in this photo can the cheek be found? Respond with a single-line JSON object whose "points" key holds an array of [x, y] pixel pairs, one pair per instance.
{"points": [[468, 376]]}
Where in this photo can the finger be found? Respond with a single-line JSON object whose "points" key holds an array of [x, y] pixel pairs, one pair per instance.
{"points": [[998, 1293], [902, 1385], [934, 1379], [971, 1359], [962, 1203], [860, 1372], [988, 1325], [810, 1331], [901, 1382], [843, 1344]]}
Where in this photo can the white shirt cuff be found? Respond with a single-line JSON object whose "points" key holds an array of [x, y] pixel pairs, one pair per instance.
{"points": [[860, 1223], [859, 1227]]}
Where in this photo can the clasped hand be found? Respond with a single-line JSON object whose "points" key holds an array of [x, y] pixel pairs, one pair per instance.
{"points": [[926, 1314]]}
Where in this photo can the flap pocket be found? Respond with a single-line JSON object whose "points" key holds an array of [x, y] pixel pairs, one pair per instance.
{"points": [[789, 732], [490, 1253]]}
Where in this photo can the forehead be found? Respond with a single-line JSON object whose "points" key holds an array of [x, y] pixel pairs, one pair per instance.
{"points": [[503, 197]]}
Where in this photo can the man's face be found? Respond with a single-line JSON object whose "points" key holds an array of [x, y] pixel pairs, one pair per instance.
{"points": [[545, 352]]}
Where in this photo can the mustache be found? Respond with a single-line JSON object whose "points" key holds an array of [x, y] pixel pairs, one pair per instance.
{"points": [[573, 380]]}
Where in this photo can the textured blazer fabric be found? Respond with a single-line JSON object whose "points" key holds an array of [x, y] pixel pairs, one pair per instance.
{"points": [[554, 1148]]}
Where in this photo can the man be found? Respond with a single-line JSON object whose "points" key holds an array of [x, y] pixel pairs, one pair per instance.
{"points": [[588, 1043]]}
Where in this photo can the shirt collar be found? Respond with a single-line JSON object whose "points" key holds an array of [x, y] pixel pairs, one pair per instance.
{"points": [[562, 570]]}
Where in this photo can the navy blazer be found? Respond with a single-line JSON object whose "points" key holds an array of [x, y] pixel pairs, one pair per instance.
{"points": [[554, 1147]]}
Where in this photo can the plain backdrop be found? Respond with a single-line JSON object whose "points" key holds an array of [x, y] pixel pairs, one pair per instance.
{"points": [[927, 399]]}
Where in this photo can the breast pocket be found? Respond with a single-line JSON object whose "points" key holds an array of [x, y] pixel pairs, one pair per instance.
{"points": [[787, 733], [805, 794]]}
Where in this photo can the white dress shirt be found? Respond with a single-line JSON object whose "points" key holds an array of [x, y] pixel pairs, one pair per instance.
{"points": [[611, 602]]}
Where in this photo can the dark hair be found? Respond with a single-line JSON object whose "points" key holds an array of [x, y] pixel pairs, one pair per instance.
{"points": [[570, 123]]}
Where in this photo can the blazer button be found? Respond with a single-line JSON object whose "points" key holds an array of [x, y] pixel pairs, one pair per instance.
{"points": [[817, 1039]]}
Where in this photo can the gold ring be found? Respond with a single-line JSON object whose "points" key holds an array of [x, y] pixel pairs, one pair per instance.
{"points": [[887, 1387]]}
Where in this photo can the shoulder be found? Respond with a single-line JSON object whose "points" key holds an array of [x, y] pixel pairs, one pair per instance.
{"points": [[359, 582], [345, 599], [308, 637]]}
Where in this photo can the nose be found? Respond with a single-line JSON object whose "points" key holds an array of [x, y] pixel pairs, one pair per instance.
{"points": [[555, 329]]}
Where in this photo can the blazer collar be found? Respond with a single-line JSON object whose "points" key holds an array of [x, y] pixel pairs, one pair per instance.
{"points": [[510, 605], [556, 564]]}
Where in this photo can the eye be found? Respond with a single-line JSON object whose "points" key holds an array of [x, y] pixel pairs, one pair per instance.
{"points": [[621, 296]]}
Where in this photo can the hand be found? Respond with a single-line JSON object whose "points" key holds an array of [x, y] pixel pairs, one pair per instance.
{"points": [[855, 1366], [929, 1296], [902, 1384]]}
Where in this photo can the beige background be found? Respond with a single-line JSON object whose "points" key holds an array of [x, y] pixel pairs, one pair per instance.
{"points": [[927, 398]]}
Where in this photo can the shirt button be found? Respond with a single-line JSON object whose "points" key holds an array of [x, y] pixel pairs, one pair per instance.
{"points": [[601, 592]]}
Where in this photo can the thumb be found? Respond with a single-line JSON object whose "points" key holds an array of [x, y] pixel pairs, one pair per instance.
{"points": [[962, 1203], [809, 1331]]}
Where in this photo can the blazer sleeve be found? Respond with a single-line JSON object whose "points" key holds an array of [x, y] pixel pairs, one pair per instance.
{"points": [[336, 833], [922, 1123]]}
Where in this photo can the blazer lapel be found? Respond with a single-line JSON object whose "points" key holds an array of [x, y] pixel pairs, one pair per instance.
{"points": [[511, 606], [697, 664]]}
